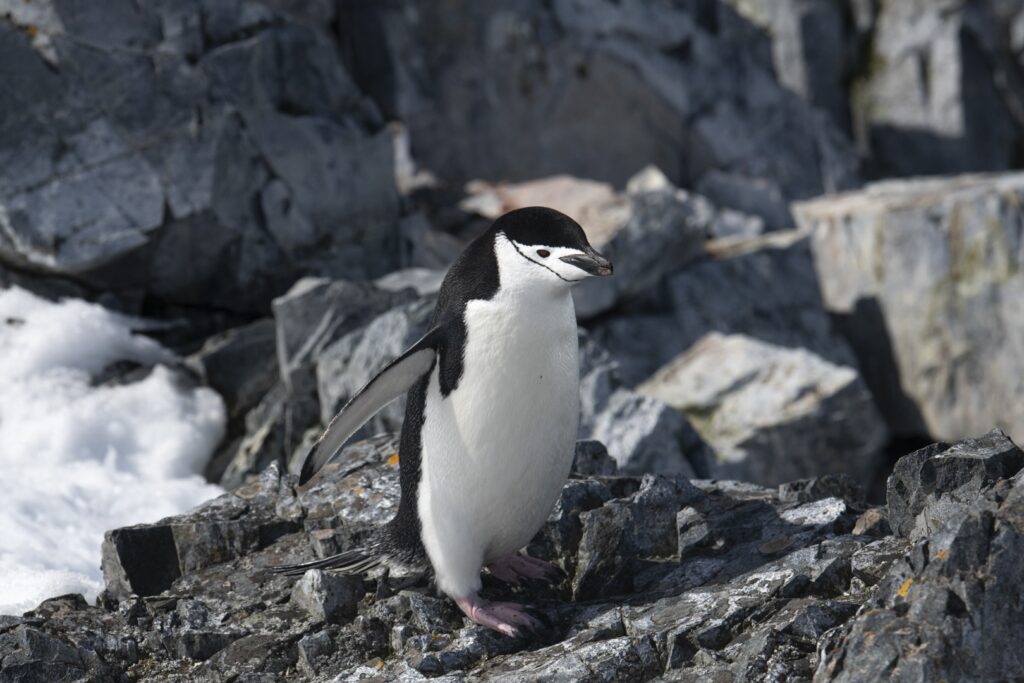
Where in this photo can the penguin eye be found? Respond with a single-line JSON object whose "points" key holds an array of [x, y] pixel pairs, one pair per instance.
{"points": [[543, 253]]}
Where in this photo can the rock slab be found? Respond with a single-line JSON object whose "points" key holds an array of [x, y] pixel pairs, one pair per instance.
{"points": [[925, 279], [773, 414]]}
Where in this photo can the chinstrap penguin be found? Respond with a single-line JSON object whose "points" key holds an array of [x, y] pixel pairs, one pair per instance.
{"points": [[491, 418]]}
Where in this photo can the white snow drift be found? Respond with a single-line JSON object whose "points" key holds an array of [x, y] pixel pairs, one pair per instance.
{"points": [[77, 459]]}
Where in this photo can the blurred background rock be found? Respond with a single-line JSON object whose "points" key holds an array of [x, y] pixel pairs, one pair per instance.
{"points": [[283, 183]]}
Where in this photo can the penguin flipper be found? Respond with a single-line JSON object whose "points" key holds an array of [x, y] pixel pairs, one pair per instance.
{"points": [[393, 381]]}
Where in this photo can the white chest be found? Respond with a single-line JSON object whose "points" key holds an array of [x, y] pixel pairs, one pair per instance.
{"points": [[497, 450]]}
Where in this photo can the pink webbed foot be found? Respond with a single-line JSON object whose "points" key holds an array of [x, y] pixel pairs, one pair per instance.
{"points": [[508, 618], [515, 568]]}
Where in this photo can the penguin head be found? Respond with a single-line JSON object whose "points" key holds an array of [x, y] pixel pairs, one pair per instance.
{"points": [[543, 246]]}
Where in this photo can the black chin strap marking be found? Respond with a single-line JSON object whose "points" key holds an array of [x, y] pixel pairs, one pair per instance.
{"points": [[516, 247]]}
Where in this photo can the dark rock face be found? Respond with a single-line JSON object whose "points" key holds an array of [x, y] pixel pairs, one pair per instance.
{"points": [[954, 594], [202, 154], [765, 288], [666, 579], [927, 486], [557, 77]]}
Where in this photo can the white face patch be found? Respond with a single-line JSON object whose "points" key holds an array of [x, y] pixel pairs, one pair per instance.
{"points": [[538, 263]]}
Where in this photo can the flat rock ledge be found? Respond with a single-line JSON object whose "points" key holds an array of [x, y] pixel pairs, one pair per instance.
{"points": [[665, 579]]}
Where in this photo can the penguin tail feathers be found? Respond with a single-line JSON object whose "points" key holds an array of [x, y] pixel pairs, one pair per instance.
{"points": [[356, 561]]}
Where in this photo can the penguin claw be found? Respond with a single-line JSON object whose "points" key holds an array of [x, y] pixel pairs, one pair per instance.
{"points": [[514, 568], [509, 618]]}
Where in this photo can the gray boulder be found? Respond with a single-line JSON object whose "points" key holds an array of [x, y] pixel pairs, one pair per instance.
{"points": [[646, 435], [271, 432], [924, 279], [923, 87], [772, 414], [316, 312], [764, 288], [327, 596], [642, 434], [591, 458], [240, 364], [234, 141]]}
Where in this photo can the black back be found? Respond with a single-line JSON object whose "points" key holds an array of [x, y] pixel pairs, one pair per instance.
{"points": [[473, 275]]}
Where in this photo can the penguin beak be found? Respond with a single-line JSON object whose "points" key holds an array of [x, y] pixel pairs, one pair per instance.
{"points": [[590, 262]]}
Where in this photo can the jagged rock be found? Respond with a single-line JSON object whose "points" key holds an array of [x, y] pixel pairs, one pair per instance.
{"points": [[231, 141], [750, 196], [765, 288], [146, 559], [617, 536], [640, 343], [773, 414], [273, 428], [425, 245], [925, 279], [591, 458], [327, 596], [929, 485], [654, 227], [682, 580], [948, 606], [316, 312], [874, 522]]}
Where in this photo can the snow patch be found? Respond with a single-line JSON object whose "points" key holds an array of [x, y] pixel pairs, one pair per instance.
{"points": [[78, 459]]}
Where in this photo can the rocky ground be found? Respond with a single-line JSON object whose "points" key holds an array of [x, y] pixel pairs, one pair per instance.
{"points": [[666, 578]]}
